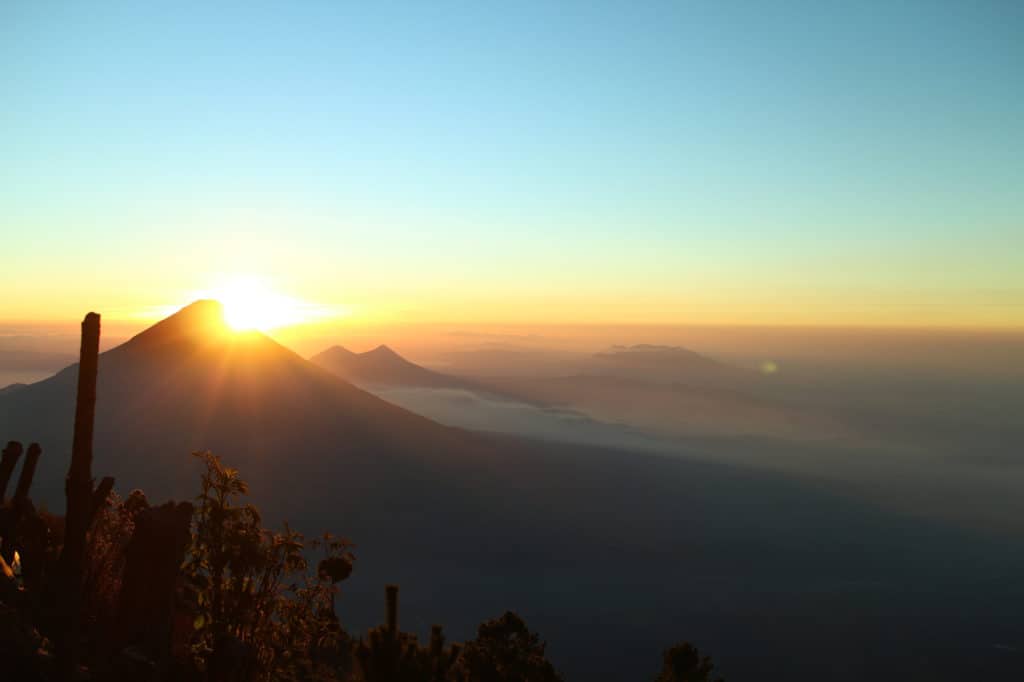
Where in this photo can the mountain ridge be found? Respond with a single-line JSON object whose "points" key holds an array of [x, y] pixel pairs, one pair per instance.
{"points": [[383, 366]]}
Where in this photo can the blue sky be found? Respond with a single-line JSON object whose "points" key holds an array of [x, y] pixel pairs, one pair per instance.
{"points": [[861, 158]]}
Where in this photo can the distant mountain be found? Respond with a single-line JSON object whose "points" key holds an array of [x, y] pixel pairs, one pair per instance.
{"points": [[666, 391], [668, 364], [384, 367]]}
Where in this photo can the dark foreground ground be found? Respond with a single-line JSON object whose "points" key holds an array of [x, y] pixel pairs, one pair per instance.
{"points": [[612, 556]]}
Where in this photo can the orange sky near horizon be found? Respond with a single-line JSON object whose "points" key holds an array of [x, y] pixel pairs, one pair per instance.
{"points": [[327, 307], [996, 351]]}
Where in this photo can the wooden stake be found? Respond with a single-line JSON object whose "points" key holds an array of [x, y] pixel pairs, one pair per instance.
{"points": [[79, 492]]}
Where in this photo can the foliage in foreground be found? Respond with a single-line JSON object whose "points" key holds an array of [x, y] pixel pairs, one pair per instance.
{"points": [[253, 587], [242, 603]]}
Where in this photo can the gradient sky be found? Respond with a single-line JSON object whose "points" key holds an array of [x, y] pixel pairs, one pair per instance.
{"points": [[784, 163]]}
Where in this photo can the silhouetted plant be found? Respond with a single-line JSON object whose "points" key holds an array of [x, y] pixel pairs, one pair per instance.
{"points": [[684, 663], [251, 585], [504, 651], [104, 563], [389, 655], [253, 610]]}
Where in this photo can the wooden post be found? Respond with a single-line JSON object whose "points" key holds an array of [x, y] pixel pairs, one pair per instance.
{"points": [[7, 462], [79, 492]]}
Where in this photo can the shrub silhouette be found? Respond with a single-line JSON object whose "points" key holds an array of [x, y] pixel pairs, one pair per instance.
{"points": [[684, 663], [388, 655], [504, 651], [249, 586]]}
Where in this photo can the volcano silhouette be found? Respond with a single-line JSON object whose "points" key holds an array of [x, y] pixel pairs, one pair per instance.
{"points": [[189, 383]]}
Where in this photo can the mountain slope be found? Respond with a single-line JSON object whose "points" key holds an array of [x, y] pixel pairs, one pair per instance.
{"points": [[11, 388]]}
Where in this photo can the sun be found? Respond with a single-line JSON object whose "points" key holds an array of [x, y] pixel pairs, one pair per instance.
{"points": [[251, 304]]}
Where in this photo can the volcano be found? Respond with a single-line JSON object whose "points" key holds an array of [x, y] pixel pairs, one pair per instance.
{"points": [[189, 383]]}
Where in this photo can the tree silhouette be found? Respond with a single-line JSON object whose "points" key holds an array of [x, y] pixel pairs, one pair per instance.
{"points": [[683, 663], [504, 651]]}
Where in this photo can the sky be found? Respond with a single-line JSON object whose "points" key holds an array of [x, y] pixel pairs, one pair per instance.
{"points": [[790, 163]]}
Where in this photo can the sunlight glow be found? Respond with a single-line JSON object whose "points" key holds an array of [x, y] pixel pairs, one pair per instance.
{"points": [[250, 303]]}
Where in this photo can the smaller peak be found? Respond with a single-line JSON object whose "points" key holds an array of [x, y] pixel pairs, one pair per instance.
{"points": [[335, 351], [384, 356]]}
